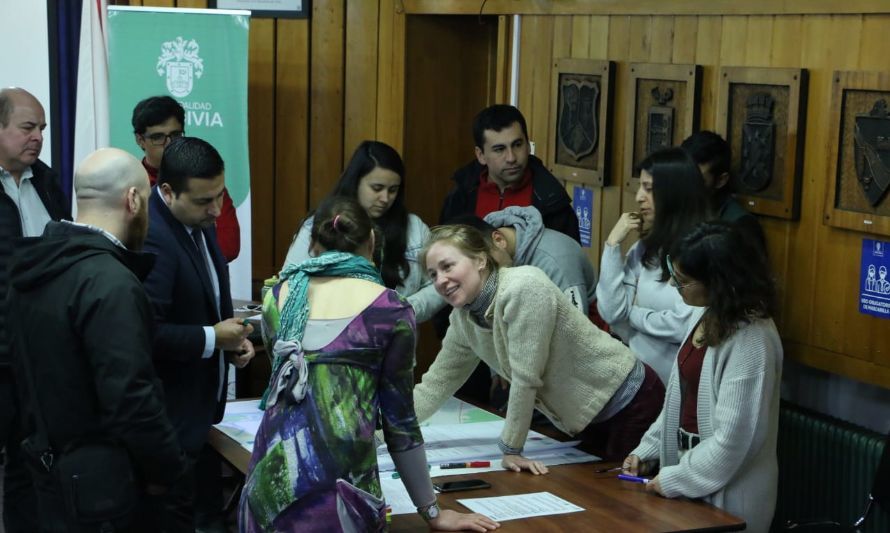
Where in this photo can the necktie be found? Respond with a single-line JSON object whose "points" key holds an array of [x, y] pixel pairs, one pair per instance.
{"points": [[198, 237]]}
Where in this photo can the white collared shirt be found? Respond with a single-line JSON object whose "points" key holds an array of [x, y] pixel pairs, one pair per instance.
{"points": [[32, 212]]}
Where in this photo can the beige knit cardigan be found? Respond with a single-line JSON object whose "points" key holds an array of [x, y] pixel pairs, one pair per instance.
{"points": [[555, 359]]}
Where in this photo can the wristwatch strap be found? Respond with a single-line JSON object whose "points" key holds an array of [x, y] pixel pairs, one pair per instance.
{"points": [[429, 512]]}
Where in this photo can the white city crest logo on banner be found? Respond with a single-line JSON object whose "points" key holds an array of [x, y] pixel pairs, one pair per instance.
{"points": [[179, 61]]}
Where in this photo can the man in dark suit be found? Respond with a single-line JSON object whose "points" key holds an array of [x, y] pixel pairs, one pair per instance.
{"points": [[189, 290]]}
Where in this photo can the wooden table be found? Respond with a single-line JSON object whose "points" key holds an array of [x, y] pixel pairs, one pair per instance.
{"points": [[610, 505]]}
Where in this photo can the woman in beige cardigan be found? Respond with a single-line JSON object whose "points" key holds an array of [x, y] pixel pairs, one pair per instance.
{"points": [[716, 437], [518, 322]]}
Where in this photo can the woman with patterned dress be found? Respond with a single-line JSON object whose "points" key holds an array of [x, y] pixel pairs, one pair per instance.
{"points": [[343, 348]]}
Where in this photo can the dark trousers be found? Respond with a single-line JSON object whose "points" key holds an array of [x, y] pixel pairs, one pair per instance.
{"points": [[613, 439], [178, 504], [19, 499], [196, 499], [208, 489]]}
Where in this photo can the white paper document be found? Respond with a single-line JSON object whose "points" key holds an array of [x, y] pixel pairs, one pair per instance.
{"points": [[396, 495], [449, 443], [501, 508], [241, 422], [455, 411]]}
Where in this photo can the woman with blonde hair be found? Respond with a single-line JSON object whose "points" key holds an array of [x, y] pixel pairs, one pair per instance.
{"points": [[518, 322]]}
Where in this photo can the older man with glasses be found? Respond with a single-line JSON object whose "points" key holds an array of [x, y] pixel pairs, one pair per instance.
{"points": [[157, 120]]}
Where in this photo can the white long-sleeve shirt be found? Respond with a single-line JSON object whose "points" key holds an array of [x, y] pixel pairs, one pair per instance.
{"points": [[648, 314]]}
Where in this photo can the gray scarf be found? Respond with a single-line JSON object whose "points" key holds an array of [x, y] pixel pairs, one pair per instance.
{"points": [[480, 305]]}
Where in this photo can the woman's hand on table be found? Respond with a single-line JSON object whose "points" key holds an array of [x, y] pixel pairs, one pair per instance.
{"points": [[634, 467], [453, 521], [654, 486], [517, 463]]}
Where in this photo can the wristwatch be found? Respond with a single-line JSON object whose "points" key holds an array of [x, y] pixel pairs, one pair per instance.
{"points": [[430, 512]]}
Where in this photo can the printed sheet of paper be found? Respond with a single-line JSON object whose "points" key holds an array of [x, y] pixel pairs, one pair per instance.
{"points": [[502, 508], [455, 411], [469, 442], [396, 495], [241, 422]]}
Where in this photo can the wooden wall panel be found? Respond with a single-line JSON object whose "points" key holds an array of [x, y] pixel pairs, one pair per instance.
{"points": [[360, 80], [391, 74], [438, 111], [326, 97], [358, 76], [291, 131], [818, 315], [261, 124], [707, 54]]}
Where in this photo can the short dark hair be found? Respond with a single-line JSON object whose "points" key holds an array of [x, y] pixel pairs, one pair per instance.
{"points": [[394, 223], [733, 270], [711, 150], [155, 110], [496, 118], [188, 157], [681, 201], [341, 224]]}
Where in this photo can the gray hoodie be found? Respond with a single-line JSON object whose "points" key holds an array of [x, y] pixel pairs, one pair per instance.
{"points": [[559, 256]]}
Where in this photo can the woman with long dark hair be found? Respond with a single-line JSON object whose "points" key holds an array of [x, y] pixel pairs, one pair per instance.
{"points": [[633, 294], [343, 362], [716, 435], [375, 176]]}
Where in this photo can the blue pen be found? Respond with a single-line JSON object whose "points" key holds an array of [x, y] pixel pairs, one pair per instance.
{"points": [[634, 479]]}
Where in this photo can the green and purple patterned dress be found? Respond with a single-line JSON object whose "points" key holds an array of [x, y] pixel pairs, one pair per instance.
{"points": [[314, 464]]}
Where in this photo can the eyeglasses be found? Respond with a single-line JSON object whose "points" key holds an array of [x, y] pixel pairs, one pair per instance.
{"points": [[674, 280], [160, 139]]}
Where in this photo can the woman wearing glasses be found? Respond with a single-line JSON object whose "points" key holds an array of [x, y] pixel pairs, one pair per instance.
{"points": [[375, 177], [633, 295], [716, 435]]}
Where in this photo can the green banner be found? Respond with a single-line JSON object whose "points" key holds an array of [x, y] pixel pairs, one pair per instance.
{"points": [[199, 57]]}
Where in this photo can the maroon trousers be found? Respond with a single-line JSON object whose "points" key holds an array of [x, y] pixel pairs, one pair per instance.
{"points": [[614, 438]]}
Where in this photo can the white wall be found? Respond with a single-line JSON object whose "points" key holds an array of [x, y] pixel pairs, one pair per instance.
{"points": [[24, 61]]}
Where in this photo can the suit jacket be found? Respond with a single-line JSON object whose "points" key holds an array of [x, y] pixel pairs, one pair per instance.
{"points": [[183, 302]]}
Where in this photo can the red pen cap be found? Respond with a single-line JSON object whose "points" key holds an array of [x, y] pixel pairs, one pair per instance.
{"points": [[478, 464]]}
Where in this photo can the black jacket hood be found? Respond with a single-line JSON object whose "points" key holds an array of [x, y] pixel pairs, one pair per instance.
{"points": [[37, 260]]}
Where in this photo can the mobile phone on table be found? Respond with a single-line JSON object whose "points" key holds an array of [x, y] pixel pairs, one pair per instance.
{"points": [[464, 484]]}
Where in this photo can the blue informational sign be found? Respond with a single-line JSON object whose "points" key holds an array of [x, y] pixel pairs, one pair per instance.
{"points": [[874, 289], [583, 202]]}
